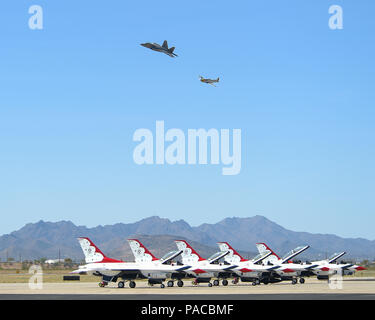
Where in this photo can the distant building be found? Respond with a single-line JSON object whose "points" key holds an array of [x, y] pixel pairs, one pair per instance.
{"points": [[52, 261]]}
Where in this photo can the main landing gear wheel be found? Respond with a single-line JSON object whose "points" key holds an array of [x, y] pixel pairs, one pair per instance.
{"points": [[254, 283], [132, 284], [225, 282], [102, 284], [210, 284], [294, 281], [216, 282], [121, 284], [302, 280], [170, 283], [180, 283], [162, 286]]}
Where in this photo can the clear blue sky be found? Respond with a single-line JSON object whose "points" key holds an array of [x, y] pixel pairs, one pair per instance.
{"points": [[72, 95]]}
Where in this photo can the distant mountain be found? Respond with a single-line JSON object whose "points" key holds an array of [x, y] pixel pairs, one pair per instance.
{"points": [[46, 239]]}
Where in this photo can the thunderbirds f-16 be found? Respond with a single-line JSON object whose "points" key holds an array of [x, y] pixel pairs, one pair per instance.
{"points": [[331, 266], [112, 270], [295, 270], [209, 81], [144, 257], [160, 48], [253, 271], [203, 270], [265, 268], [322, 269]]}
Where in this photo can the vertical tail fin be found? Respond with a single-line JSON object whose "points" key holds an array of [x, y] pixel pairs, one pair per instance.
{"points": [[263, 248], [140, 252], [189, 255], [165, 44], [92, 252], [233, 256]]}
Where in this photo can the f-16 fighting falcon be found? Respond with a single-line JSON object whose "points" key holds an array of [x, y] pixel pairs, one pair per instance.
{"points": [[331, 267], [203, 270], [252, 270], [209, 81], [144, 257], [111, 270], [298, 270], [160, 48], [322, 269]]}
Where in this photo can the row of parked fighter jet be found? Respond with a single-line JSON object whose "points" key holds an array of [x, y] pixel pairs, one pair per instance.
{"points": [[267, 267]]}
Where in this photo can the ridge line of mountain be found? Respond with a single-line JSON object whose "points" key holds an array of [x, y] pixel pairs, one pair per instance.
{"points": [[45, 238]]}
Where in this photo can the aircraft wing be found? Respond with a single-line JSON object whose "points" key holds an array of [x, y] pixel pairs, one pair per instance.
{"points": [[79, 271]]}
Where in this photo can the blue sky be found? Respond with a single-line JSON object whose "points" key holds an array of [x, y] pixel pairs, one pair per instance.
{"points": [[73, 94]]}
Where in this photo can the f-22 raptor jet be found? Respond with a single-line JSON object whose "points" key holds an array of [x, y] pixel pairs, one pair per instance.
{"points": [[159, 48]]}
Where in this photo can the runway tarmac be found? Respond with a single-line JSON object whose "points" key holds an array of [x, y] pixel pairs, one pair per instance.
{"points": [[311, 290]]}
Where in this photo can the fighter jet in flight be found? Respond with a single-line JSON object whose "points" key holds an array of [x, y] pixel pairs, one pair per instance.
{"points": [[209, 81], [159, 48]]}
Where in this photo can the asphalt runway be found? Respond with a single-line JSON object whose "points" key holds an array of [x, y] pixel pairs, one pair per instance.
{"points": [[187, 297], [353, 289]]}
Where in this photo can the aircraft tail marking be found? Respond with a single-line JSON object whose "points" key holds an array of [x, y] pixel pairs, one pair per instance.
{"points": [[263, 248], [92, 252], [141, 253], [233, 256], [189, 255]]}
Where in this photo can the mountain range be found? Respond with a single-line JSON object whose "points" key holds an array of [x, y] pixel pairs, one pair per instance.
{"points": [[47, 239]]}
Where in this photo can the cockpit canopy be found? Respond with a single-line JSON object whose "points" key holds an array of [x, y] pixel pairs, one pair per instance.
{"points": [[170, 255], [291, 252]]}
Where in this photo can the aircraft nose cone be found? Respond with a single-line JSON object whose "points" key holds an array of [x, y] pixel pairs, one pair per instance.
{"points": [[146, 45]]}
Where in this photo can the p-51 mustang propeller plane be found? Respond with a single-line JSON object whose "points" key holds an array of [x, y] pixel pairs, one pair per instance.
{"points": [[209, 81]]}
